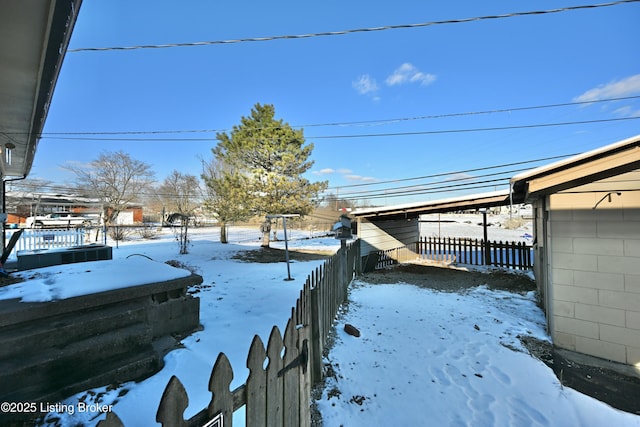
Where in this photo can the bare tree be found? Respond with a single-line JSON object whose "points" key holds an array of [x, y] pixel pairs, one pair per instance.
{"points": [[116, 179], [226, 197], [180, 194]]}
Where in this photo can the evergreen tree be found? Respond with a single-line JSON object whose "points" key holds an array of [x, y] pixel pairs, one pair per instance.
{"points": [[271, 157]]}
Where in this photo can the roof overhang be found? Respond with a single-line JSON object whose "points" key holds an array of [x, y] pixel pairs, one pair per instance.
{"points": [[605, 162], [34, 35], [413, 210]]}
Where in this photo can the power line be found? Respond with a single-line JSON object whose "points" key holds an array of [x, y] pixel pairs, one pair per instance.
{"points": [[430, 185], [437, 175], [431, 188], [351, 123], [368, 135], [427, 188], [352, 31], [470, 113], [497, 128], [492, 183]]}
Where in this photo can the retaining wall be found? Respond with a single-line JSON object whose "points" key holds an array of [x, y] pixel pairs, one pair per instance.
{"points": [[51, 350]]}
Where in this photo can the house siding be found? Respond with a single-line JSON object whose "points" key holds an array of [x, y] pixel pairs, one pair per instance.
{"points": [[594, 262]]}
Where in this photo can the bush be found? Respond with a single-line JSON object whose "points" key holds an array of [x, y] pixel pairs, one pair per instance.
{"points": [[148, 232], [118, 233], [182, 265], [514, 223]]}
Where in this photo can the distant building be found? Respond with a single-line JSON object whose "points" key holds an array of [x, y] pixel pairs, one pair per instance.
{"points": [[21, 205]]}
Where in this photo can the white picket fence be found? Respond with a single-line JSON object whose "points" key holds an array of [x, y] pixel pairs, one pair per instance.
{"points": [[47, 239]]}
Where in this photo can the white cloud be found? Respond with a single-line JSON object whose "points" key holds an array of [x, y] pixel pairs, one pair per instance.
{"points": [[365, 85], [459, 177], [325, 171], [615, 89], [360, 178], [408, 73], [627, 111]]}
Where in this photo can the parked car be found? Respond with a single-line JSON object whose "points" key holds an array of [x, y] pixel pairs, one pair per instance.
{"points": [[62, 219]]}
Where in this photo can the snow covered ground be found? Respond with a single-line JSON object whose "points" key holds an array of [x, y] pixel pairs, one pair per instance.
{"points": [[429, 358], [470, 225], [424, 357]]}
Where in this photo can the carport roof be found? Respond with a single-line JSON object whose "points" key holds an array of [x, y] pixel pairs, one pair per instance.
{"points": [[604, 162], [412, 210], [34, 35]]}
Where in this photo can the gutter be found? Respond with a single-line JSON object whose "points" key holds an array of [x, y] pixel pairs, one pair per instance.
{"points": [[56, 46]]}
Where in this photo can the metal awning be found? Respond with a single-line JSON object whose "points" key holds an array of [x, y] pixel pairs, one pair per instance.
{"points": [[413, 210], [34, 35]]}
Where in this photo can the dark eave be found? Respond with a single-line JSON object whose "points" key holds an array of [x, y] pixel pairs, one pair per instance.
{"points": [[34, 35]]}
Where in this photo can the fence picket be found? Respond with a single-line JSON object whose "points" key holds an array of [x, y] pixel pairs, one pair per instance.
{"points": [[112, 420], [222, 398], [291, 393], [173, 403], [274, 382], [304, 382], [516, 255], [256, 407]]}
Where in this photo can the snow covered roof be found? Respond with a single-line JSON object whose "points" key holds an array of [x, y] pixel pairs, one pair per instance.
{"points": [[604, 162]]}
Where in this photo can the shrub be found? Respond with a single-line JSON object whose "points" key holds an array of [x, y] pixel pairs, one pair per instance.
{"points": [[148, 232], [514, 223], [118, 233]]}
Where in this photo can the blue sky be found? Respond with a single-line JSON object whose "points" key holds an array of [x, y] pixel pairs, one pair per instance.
{"points": [[325, 84]]}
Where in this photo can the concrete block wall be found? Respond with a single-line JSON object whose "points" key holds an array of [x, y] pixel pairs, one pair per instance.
{"points": [[51, 350], [594, 261]]}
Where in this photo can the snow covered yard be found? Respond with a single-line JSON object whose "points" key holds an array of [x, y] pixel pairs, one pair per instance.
{"points": [[430, 357]]}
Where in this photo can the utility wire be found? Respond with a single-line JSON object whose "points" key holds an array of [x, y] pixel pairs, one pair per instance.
{"points": [[445, 131], [382, 193], [352, 31], [368, 135], [468, 113], [457, 172], [492, 183], [430, 185], [15, 186], [345, 124]]}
